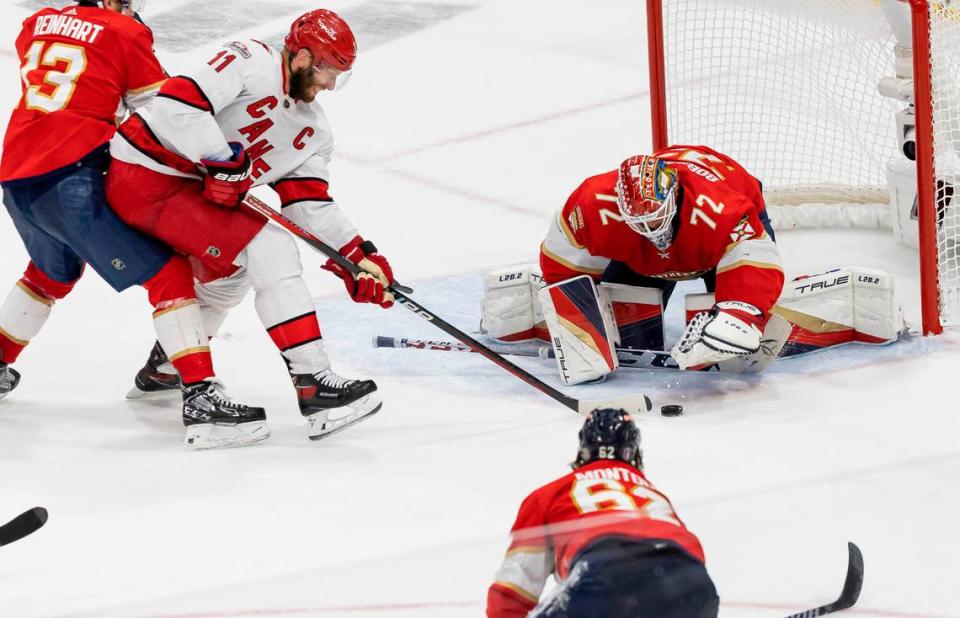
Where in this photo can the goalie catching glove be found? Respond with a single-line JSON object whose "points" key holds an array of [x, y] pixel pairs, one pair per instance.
{"points": [[730, 329], [369, 286], [226, 182]]}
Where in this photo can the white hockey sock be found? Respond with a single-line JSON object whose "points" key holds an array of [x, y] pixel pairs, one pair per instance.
{"points": [[22, 315]]}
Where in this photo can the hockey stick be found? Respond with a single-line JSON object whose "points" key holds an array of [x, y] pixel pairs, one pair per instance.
{"points": [[634, 359], [636, 403], [851, 587], [22, 525]]}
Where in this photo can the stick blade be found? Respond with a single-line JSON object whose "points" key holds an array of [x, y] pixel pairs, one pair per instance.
{"points": [[23, 524], [633, 404], [854, 581]]}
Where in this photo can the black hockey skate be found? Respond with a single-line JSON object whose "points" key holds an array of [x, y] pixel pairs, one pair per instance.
{"points": [[214, 420], [151, 382], [9, 378], [331, 403]]}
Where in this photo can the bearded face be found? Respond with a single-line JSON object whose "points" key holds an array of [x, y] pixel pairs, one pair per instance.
{"points": [[301, 82]]}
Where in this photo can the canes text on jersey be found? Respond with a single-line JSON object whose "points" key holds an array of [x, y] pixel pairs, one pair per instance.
{"points": [[254, 131]]}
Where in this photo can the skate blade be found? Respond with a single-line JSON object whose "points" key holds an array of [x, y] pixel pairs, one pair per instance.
{"points": [[208, 436], [320, 425], [167, 393]]}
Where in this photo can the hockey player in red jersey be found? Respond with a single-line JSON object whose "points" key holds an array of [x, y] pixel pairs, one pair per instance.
{"points": [[246, 117], [79, 64], [683, 212], [612, 541]]}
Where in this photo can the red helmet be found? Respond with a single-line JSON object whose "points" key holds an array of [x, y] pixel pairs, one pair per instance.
{"points": [[326, 35]]}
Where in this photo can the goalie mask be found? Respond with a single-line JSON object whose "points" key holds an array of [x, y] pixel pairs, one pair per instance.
{"points": [[609, 433], [647, 198]]}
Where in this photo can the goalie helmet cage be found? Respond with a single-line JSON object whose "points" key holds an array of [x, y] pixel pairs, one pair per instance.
{"points": [[789, 89]]}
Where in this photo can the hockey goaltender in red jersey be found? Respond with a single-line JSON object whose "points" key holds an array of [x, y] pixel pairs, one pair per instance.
{"points": [[248, 116], [683, 212], [614, 542]]}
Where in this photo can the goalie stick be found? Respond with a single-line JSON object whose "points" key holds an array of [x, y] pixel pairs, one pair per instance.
{"points": [[851, 587], [23, 525], [638, 403], [634, 359]]}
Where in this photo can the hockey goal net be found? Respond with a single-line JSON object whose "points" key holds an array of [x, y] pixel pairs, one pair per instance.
{"points": [[790, 89]]}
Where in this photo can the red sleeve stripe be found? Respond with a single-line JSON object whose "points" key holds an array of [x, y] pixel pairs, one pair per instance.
{"points": [[296, 331], [295, 190], [138, 134], [186, 91]]}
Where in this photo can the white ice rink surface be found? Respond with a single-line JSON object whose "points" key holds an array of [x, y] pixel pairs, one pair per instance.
{"points": [[457, 141]]}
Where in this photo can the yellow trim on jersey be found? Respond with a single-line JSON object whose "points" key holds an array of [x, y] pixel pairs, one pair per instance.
{"points": [[188, 351], [739, 263], [161, 312], [567, 232], [12, 338], [153, 86], [40, 299], [580, 269], [514, 587], [527, 549], [807, 321], [605, 198]]}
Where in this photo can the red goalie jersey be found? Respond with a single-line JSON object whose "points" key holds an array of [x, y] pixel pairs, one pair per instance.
{"points": [[718, 226], [559, 520], [80, 62]]}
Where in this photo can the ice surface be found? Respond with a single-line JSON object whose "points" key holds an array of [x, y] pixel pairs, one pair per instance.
{"points": [[458, 138]]}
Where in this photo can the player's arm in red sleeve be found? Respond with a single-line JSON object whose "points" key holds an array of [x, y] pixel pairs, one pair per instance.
{"points": [[565, 251], [527, 565], [750, 270], [144, 74]]}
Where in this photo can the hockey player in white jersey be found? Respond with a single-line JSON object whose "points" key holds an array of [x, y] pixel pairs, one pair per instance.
{"points": [[246, 117]]}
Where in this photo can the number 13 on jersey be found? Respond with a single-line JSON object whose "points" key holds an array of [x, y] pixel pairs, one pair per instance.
{"points": [[50, 72]]}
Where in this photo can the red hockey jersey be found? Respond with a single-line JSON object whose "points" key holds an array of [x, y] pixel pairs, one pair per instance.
{"points": [[719, 227], [78, 65], [559, 520]]}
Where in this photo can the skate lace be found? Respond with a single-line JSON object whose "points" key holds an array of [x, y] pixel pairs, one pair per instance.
{"points": [[327, 377], [215, 393]]}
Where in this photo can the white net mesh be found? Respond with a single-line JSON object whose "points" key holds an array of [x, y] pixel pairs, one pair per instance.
{"points": [[945, 94], [789, 89]]}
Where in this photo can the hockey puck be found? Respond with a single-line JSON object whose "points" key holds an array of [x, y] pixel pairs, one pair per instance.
{"points": [[673, 409]]}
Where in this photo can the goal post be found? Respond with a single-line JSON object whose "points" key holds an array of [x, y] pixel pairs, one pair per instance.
{"points": [[791, 90]]}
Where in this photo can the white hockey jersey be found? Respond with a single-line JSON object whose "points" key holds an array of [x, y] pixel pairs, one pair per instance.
{"points": [[240, 95]]}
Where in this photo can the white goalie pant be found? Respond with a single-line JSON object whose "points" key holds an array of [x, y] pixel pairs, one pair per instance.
{"points": [[582, 330]]}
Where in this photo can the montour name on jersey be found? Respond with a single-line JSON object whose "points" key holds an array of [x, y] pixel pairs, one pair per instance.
{"points": [[67, 26], [612, 474]]}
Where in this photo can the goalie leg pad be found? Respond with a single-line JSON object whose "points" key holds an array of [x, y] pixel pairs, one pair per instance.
{"points": [[582, 329], [638, 313], [510, 310], [838, 307]]}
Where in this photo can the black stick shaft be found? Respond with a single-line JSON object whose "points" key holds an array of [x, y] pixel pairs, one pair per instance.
{"points": [[400, 293]]}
